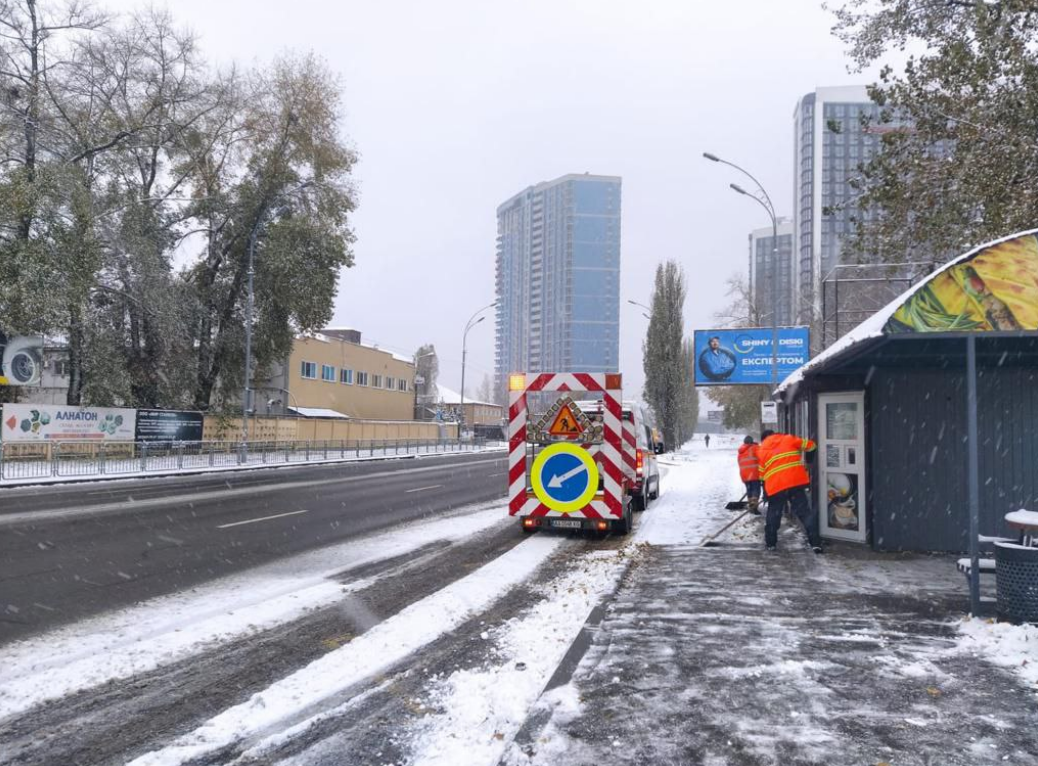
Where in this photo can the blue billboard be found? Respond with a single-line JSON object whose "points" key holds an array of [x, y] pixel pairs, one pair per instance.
{"points": [[743, 356]]}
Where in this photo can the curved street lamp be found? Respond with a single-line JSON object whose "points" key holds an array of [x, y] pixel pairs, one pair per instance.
{"points": [[642, 306], [765, 202], [473, 321]]}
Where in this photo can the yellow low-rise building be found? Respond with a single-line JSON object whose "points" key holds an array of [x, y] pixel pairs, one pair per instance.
{"points": [[335, 371]]}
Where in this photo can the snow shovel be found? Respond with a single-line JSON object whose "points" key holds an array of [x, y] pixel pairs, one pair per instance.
{"points": [[737, 505], [709, 540]]}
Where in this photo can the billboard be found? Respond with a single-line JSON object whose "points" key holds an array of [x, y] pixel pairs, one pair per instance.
{"points": [[47, 422], [169, 426], [743, 356], [995, 289]]}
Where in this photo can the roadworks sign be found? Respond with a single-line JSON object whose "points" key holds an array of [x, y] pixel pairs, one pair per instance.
{"points": [[564, 420], [566, 423]]}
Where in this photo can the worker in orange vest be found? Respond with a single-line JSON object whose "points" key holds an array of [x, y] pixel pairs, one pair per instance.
{"points": [[786, 481], [749, 472]]}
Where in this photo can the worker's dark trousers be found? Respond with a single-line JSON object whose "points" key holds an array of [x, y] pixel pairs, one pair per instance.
{"points": [[801, 503]]}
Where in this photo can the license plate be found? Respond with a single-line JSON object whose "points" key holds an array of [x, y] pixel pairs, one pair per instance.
{"points": [[566, 523]]}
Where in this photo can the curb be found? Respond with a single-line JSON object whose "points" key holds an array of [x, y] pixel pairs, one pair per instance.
{"points": [[525, 739]]}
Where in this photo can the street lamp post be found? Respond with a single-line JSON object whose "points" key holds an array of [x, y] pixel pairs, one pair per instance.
{"points": [[464, 351], [246, 389], [765, 202]]}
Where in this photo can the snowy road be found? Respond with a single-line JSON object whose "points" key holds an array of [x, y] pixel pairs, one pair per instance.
{"points": [[459, 642], [74, 551]]}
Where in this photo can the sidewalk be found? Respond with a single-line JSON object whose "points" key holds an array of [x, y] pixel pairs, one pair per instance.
{"points": [[730, 656]]}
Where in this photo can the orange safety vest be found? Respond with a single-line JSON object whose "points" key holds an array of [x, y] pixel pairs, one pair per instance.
{"points": [[782, 462], [749, 463]]}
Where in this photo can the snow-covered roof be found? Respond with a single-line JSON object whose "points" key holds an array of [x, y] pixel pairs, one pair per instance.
{"points": [[449, 396], [398, 357], [318, 412], [875, 326]]}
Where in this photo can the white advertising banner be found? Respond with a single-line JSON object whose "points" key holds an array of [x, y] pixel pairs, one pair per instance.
{"points": [[54, 422]]}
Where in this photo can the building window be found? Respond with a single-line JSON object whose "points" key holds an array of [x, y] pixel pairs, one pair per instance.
{"points": [[309, 370], [327, 373], [401, 385], [346, 376], [390, 383], [376, 381], [362, 378]]}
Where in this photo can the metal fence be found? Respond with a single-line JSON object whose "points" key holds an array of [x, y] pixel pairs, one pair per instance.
{"points": [[71, 459]]}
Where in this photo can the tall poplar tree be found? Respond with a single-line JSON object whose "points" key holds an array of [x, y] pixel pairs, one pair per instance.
{"points": [[663, 357]]}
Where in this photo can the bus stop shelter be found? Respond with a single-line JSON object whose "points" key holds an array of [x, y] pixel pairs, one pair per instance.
{"points": [[926, 413]]}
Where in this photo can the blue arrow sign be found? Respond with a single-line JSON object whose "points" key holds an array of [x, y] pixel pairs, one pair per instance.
{"points": [[564, 477]]}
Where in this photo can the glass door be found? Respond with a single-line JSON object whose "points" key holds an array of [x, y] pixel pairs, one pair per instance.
{"points": [[841, 461]]}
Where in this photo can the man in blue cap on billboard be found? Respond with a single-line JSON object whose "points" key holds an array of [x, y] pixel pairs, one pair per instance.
{"points": [[716, 363]]}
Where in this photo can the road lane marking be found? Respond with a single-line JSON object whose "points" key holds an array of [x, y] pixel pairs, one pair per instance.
{"points": [[21, 517], [422, 489], [264, 518]]}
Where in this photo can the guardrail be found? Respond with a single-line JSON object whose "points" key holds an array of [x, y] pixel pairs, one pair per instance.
{"points": [[48, 460]]}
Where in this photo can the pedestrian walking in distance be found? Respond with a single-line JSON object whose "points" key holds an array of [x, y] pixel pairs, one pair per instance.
{"points": [[786, 481], [706, 439], [749, 472]]}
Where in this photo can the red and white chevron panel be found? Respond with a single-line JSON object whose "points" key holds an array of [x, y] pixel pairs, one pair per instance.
{"points": [[610, 456], [630, 449]]}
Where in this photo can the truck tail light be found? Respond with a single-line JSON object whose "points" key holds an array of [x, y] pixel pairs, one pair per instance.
{"points": [[603, 526], [639, 461]]}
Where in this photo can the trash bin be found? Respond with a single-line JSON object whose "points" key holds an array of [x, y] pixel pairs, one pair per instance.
{"points": [[1016, 582]]}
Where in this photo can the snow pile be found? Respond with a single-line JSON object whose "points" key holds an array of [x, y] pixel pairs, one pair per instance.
{"points": [[484, 708], [141, 638], [1023, 516], [692, 499], [1011, 646]]}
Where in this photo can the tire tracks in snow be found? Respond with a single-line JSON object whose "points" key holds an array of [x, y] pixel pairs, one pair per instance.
{"points": [[377, 722], [106, 724]]}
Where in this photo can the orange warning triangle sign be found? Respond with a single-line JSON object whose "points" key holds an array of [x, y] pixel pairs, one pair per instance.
{"points": [[565, 423]]}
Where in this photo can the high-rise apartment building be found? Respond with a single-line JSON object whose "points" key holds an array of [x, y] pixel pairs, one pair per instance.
{"points": [[830, 142], [762, 272], [558, 277]]}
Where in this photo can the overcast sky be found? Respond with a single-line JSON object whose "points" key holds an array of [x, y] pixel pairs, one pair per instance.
{"points": [[454, 106]]}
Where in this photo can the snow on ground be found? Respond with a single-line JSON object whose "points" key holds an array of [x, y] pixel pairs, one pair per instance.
{"points": [[1014, 647], [485, 707], [141, 638], [731, 656], [370, 653]]}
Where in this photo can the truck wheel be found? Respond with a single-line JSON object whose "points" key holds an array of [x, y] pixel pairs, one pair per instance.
{"points": [[640, 501], [655, 490]]}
